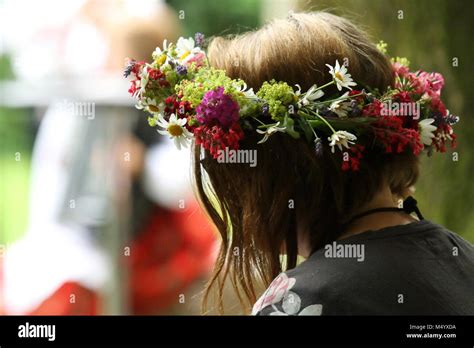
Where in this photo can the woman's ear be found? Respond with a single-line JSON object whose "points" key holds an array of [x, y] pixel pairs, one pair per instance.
{"points": [[398, 197], [409, 191]]}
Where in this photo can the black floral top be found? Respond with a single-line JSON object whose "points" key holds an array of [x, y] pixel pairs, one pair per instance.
{"points": [[415, 269]]}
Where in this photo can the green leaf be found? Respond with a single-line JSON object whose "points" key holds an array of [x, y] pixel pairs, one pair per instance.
{"points": [[306, 128], [289, 123]]}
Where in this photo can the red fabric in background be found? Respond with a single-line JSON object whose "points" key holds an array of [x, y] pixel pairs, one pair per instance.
{"points": [[174, 250], [83, 302]]}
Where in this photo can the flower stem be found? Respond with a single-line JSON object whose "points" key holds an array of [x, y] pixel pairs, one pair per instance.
{"points": [[256, 119], [326, 122], [314, 132], [324, 86], [339, 98]]}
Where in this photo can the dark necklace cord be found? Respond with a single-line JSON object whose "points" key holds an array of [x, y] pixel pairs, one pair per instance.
{"points": [[409, 206]]}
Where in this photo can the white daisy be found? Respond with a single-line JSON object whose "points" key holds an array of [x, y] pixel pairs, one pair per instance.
{"points": [[341, 139], [311, 95], [341, 106], [176, 130], [248, 93], [426, 131], [186, 50], [270, 131], [159, 51], [160, 55], [340, 76], [143, 79], [149, 105]]}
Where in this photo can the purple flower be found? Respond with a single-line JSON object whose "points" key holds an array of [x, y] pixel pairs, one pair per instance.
{"points": [[355, 110], [452, 120], [440, 120], [216, 106], [325, 112], [181, 70], [318, 147], [129, 68], [199, 39]]}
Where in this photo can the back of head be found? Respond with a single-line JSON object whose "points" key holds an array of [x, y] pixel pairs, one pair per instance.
{"points": [[297, 49], [291, 191]]}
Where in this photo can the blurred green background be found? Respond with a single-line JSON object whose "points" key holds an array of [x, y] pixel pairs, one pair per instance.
{"points": [[16, 144], [431, 33]]}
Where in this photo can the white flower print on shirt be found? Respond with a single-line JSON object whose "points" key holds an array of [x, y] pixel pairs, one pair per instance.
{"points": [[279, 290]]}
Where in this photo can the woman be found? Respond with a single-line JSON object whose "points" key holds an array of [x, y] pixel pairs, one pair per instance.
{"points": [[334, 170]]}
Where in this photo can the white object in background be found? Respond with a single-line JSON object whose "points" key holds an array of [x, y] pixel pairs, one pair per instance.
{"points": [[50, 167], [167, 174], [37, 265], [52, 251]]}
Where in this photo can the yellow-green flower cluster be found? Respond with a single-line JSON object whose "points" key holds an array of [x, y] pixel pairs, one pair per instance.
{"points": [[278, 96], [209, 79], [401, 60], [170, 74], [382, 46]]}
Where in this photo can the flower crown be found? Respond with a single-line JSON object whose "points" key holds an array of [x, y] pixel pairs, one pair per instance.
{"points": [[187, 99]]}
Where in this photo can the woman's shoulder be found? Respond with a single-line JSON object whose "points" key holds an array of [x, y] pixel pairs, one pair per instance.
{"points": [[303, 290], [358, 275], [284, 297]]}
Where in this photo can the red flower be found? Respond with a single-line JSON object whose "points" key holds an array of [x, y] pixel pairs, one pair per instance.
{"points": [[137, 68], [437, 104], [199, 59], [354, 92], [155, 74], [373, 109], [433, 82], [389, 131], [171, 105], [399, 69], [402, 97], [423, 82], [181, 108], [157, 78], [360, 96], [215, 138], [418, 85], [443, 134], [355, 155], [133, 87]]}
